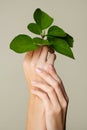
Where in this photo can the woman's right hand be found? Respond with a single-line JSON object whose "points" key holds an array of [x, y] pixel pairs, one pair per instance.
{"points": [[52, 93]]}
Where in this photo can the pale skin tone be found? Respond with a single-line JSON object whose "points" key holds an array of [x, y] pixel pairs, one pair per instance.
{"points": [[48, 99]]}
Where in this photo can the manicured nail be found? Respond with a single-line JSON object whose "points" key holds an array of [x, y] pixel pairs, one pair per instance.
{"points": [[38, 70]]}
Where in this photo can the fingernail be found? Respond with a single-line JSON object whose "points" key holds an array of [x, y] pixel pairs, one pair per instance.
{"points": [[38, 70]]}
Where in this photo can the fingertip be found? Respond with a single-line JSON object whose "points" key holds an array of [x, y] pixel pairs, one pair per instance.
{"points": [[51, 50]]}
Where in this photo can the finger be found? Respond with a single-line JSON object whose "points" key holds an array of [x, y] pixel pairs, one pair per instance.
{"points": [[64, 105], [43, 96], [51, 59], [54, 83], [36, 54], [52, 71], [51, 50], [65, 94], [44, 54], [28, 56], [48, 90]]}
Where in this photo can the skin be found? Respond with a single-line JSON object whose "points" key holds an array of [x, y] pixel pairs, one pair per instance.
{"points": [[48, 100]]}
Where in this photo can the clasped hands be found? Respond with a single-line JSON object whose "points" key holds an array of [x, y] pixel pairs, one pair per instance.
{"points": [[45, 83]]}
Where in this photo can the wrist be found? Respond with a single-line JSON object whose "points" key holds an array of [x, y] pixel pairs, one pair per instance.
{"points": [[36, 119]]}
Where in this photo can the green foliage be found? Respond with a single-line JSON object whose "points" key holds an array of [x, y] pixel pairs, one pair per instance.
{"points": [[34, 28], [62, 47], [42, 19], [56, 31], [69, 40], [56, 37], [22, 43], [41, 41]]}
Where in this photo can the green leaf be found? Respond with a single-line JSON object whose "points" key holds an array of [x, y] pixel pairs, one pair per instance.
{"points": [[62, 47], [40, 41], [42, 19], [57, 38], [69, 40], [50, 38], [34, 28], [22, 43], [56, 31]]}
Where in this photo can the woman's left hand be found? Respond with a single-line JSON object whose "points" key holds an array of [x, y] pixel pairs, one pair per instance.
{"points": [[52, 93]]}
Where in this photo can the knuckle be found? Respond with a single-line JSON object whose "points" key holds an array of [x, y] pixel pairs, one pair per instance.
{"points": [[64, 104], [67, 99], [60, 82]]}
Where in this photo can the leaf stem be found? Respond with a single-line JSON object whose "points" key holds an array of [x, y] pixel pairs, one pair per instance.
{"points": [[43, 34]]}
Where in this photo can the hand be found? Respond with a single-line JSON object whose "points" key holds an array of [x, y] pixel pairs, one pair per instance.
{"points": [[41, 58], [52, 93], [37, 58]]}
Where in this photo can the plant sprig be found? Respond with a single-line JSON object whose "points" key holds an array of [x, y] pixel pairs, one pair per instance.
{"points": [[55, 37]]}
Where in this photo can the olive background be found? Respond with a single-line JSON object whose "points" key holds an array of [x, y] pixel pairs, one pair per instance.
{"points": [[15, 15]]}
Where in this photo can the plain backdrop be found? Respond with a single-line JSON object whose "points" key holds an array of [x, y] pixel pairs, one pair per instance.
{"points": [[15, 15]]}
